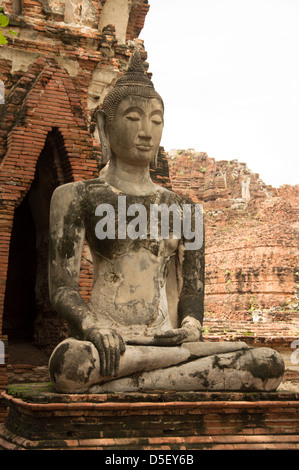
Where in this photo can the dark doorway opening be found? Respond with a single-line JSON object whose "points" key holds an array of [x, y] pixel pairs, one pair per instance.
{"points": [[28, 315], [19, 306]]}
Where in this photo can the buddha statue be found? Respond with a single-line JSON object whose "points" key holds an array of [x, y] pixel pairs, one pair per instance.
{"points": [[141, 329]]}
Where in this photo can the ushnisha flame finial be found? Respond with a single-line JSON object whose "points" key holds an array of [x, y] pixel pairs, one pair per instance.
{"points": [[135, 74], [135, 63]]}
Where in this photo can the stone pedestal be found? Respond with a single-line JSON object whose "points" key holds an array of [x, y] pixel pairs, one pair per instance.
{"points": [[40, 419]]}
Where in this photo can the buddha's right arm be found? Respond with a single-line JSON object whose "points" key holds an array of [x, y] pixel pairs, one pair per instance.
{"points": [[67, 235]]}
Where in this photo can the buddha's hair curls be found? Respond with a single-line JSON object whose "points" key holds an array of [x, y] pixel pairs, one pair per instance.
{"points": [[134, 82]]}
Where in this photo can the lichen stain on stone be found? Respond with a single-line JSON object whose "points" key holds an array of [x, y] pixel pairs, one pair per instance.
{"points": [[137, 380], [58, 359], [230, 363], [80, 372], [201, 377], [143, 264], [266, 370], [92, 367], [66, 249]]}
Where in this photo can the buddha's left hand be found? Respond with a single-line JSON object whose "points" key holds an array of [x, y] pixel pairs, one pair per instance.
{"points": [[189, 331]]}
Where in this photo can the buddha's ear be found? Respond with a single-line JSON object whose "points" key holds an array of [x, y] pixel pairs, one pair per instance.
{"points": [[105, 145]]}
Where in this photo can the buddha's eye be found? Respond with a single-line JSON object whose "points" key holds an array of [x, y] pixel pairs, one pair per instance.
{"points": [[156, 119], [133, 117]]}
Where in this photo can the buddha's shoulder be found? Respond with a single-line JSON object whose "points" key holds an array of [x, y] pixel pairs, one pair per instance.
{"points": [[171, 197], [79, 188]]}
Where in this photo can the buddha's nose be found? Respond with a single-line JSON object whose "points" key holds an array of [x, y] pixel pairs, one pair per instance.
{"points": [[145, 130]]}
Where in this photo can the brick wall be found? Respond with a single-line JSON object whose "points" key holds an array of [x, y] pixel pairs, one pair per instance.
{"points": [[161, 421], [251, 234]]}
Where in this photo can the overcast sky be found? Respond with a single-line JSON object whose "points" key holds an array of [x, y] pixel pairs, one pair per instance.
{"points": [[228, 72]]}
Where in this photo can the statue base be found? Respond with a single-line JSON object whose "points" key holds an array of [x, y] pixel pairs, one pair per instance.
{"points": [[41, 419]]}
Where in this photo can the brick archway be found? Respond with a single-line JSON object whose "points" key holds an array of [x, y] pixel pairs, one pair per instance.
{"points": [[42, 107], [28, 314]]}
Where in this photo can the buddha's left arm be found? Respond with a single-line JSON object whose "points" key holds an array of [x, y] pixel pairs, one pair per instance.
{"points": [[191, 275], [191, 301]]}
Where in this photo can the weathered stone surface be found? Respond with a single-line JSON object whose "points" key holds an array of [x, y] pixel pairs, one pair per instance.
{"points": [[81, 12], [259, 369]]}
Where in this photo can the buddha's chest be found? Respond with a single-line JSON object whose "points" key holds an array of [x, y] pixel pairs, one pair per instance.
{"points": [[116, 224]]}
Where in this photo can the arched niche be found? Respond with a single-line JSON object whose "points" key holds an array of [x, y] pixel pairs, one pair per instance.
{"points": [[28, 314]]}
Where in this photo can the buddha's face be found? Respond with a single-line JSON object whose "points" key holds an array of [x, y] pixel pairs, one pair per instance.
{"points": [[136, 130]]}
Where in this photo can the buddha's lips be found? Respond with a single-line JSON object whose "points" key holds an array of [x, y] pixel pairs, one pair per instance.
{"points": [[145, 148]]}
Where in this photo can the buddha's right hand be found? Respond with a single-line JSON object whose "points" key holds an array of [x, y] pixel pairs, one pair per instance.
{"points": [[110, 346]]}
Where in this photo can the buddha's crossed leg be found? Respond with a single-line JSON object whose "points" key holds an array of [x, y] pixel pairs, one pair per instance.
{"points": [[75, 368]]}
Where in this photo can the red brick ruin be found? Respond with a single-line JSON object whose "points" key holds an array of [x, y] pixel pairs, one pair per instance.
{"points": [[56, 71]]}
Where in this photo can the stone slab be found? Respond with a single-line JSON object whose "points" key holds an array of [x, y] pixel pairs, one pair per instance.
{"points": [[40, 419]]}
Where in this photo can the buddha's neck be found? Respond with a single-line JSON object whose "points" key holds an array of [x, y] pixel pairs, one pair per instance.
{"points": [[129, 179]]}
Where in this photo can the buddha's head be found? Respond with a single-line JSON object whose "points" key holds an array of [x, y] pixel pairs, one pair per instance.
{"points": [[131, 120]]}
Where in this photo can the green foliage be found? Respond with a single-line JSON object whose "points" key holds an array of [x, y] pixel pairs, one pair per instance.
{"points": [[205, 330], [4, 22], [247, 333], [3, 39], [253, 304]]}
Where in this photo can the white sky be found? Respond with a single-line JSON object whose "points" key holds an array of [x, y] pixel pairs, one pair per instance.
{"points": [[228, 72]]}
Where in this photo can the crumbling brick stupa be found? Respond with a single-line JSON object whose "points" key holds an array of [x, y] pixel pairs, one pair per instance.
{"points": [[251, 236], [251, 254]]}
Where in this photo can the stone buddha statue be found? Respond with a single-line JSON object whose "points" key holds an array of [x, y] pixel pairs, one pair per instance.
{"points": [[142, 327]]}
